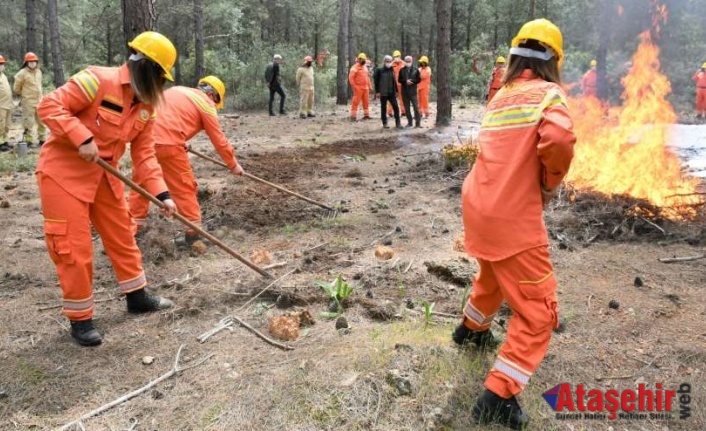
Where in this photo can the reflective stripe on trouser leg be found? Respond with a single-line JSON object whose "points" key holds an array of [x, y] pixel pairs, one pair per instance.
{"points": [[485, 299], [528, 285], [67, 233], [512, 370], [112, 220]]}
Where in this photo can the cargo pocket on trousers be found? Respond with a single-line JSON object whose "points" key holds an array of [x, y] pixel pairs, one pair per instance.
{"points": [[57, 241], [543, 292]]}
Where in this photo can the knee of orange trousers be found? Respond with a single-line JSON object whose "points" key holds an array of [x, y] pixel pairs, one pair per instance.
{"points": [[67, 234]]}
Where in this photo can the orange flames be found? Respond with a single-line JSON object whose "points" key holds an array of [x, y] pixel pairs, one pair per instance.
{"points": [[623, 149]]}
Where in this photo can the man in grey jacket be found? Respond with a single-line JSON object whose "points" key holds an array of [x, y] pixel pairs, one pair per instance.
{"points": [[409, 78]]}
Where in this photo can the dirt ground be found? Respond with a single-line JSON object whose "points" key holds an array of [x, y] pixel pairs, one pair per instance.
{"points": [[395, 368]]}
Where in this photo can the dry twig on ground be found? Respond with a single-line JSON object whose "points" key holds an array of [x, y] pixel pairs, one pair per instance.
{"points": [[682, 259], [175, 370]]}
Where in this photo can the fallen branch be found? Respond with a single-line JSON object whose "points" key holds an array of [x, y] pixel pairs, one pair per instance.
{"points": [[614, 377], [653, 224], [588, 302], [408, 266], [681, 259], [175, 370], [424, 153], [261, 335], [275, 265], [266, 288]]}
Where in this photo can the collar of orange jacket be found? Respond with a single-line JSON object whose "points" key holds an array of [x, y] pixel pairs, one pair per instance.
{"points": [[124, 74]]}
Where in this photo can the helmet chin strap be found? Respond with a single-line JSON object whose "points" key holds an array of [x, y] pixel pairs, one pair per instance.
{"points": [[531, 53]]}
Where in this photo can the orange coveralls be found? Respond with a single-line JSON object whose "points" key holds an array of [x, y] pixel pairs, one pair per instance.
{"points": [[359, 78], [496, 81], [186, 112], [423, 90], [588, 83], [97, 102], [397, 65], [526, 142], [700, 79]]}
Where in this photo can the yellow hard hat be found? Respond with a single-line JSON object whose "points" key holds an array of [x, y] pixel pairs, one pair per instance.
{"points": [[424, 59], [500, 59], [217, 85], [593, 63], [157, 48], [362, 56], [703, 66], [545, 32], [397, 53]]}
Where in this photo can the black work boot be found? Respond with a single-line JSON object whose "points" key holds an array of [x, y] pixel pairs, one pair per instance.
{"points": [[484, 340], [310, 115], [272, 114], [140, 301], [5, 146], [187, 241], [493, 409], [84, 333]]}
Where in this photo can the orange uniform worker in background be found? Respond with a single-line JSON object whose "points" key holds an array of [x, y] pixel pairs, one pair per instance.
{"points": [[496, 78], [359, 79], [186, 112], [93, 116], [424, 87], [700, 79], [589, 81], [526, 147]]}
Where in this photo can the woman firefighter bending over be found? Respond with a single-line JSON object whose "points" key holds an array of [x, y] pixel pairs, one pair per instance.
{"points": [[93, 116]]}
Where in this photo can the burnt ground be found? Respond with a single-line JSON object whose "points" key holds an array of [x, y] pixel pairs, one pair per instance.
{"points": [[390, 189]]}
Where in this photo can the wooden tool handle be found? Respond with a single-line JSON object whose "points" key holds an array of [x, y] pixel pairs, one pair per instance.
{"points": [[181, 218]]}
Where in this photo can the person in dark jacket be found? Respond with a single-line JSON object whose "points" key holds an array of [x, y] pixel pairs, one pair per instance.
{"points": [[273, 83], [409, 78], [386, 90]]}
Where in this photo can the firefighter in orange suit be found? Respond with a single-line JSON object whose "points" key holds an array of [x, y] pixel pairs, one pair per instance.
{"points": [[526, 146], [424, 87], [496, 78], [359, 79], [93, 116], [700, 79], [186, 112], [589, 81]]}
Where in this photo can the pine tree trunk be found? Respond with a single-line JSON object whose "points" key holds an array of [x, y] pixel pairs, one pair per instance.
{"points": [[351, 34], [342, 52], [45, 43], [443, 62], [108, 44], [602, 54], [55, 43], [199, 68], [31, 6], [138, 16], [532, 12]]}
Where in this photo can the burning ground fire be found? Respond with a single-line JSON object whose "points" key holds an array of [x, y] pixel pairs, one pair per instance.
{"points": [[623, 150]]}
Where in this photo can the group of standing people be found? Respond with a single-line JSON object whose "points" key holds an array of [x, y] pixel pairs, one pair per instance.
{"points": [[28, 86], [399, 84]]}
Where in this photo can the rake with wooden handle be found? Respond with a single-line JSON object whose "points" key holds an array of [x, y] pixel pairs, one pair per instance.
{"points": [[332, 212], [182, 219]]}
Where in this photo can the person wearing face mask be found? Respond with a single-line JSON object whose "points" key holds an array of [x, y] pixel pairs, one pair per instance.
{"points": [[359, 79], [386, 90], [5, 107], [185, 113], [28, 85], [408, 79], [305, 81], [94, 115]]}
